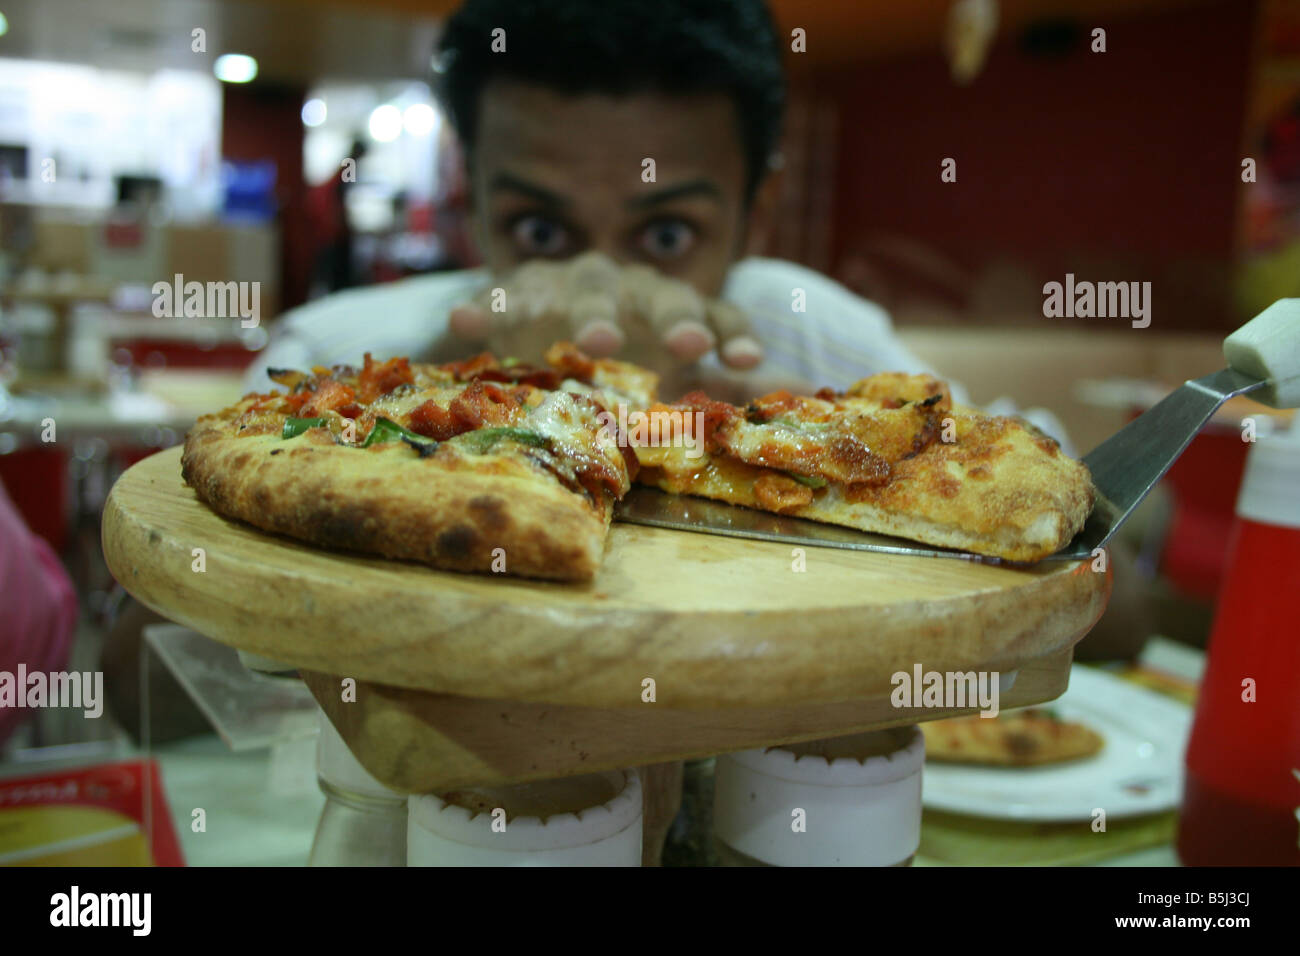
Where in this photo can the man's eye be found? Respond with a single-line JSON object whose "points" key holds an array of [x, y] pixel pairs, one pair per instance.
{"points": [[667, 239], [538, 236]]}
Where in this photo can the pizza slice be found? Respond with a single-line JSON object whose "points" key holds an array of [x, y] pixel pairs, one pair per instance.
{"points": [[477, 465], [892, 455], [1022, 738]]}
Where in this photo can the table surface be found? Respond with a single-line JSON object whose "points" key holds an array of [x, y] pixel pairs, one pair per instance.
{"points": [[166, 399]]}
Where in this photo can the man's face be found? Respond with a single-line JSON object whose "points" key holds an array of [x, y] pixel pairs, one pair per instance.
{"points": [[555, 175]]}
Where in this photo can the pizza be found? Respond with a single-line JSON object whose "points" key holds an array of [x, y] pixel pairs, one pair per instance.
{"points": [[477, 465], [1021, 738], [893, 454], [496, 465]]}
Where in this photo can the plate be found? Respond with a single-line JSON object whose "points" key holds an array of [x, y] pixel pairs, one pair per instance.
{"points": [[1139, 769]]}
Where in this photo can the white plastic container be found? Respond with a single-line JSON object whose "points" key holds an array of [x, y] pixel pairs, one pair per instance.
{"points": [[843, 801], [589, 820], [363, 823]]}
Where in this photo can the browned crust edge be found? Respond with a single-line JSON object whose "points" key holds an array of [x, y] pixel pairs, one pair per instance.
{"points": [[410, 508]]}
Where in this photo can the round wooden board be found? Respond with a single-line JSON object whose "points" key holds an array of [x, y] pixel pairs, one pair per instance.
{"points": [[714, 621]]}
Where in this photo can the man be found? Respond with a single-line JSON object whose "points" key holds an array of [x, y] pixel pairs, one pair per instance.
{"points": [[622, 168]]}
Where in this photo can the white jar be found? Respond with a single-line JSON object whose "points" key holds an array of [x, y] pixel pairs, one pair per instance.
{"points": [[842, 801], [588, 820], [363, 823]]}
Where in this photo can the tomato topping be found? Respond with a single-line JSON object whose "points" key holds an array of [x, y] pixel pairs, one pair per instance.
{"points": [[380, 378], [521, 375], [296, 400], [329, 395], [768, 406], [595, 477], [434, 421], [572, 361], [629, 459], [484, 404], [522, 393], [466, 369], [716, 414]]}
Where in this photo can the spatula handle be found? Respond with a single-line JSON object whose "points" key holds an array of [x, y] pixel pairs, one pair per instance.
{"points": [[1268, 346]]}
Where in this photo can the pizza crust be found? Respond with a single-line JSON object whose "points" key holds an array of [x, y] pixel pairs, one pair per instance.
{"points": [[448, 511]]}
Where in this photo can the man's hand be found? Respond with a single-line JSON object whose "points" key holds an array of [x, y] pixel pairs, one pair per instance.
{"points": [[605, 308]]}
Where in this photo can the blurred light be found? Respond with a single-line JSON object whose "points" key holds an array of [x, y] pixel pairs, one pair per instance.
{"points": [[313, 113], [4, 25], [972, 27], [419, 119], [234, 68], [386, 123]]}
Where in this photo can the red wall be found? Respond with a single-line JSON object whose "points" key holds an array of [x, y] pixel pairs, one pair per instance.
{"points": [[1125, 161]]}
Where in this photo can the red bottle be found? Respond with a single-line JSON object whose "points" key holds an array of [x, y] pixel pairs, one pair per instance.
{"points": [[1242, 788]]}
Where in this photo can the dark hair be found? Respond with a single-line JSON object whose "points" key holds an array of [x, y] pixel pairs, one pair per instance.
{"points": [[607, 46]]}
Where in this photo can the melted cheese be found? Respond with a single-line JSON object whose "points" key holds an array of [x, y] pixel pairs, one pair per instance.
{"points": [[397, 405], [758, 443], [576, 429], [564, 420]]}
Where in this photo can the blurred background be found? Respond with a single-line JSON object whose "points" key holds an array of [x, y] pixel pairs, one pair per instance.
{"points": [[140, 139]]}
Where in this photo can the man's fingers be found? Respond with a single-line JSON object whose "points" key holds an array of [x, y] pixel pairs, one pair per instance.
{"points": [[533, 293], [592, 272], [593, 321], [688, 340], [599, 304], [677, 315], [470, 322], [593, 304], [739, 348]]}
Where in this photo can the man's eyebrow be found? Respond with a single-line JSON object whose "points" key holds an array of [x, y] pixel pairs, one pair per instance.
{"points": [[695, 187], [532, 190]]}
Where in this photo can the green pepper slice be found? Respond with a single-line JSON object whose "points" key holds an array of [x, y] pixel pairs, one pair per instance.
{"points": [[483, 439], [385, 430], [812, 481], [294, 427]]}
